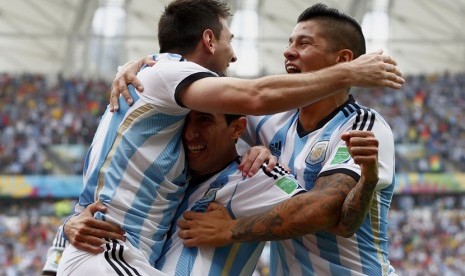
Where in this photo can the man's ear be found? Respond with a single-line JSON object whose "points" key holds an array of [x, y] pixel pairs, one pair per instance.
{"points": [[208, 40], [345, 55], [238, 127]]}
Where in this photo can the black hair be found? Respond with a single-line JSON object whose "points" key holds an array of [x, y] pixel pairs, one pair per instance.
{"points": [[341, 30], [183, 22], [231, 117]]}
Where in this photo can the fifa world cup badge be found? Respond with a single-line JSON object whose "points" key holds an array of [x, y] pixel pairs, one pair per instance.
{"points": [[317, 154]]}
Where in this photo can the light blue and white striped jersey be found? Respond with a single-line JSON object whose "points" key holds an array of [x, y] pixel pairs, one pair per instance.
{"points": [[322, 152], [243, 197], [136, 164]]}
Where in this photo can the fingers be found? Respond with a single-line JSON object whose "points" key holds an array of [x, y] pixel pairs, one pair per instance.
{"points": [[362, 146], [189, 240], [114, 96], [377, 70], [91, 248], [86, 228], [215, 207], [119, 87], [272, 161], [388, 60], [87, 233], [127, 75], [392, 80], [96, 207], [185, 233], [253, 160], [190, 215], [393, 74]]}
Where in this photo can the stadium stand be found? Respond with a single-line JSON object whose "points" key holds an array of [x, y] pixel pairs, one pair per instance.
{"points": [[47, 124], [37, 116]]}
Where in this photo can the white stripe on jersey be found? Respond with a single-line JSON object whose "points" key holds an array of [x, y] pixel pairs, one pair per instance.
{"points": [[243, 197]]}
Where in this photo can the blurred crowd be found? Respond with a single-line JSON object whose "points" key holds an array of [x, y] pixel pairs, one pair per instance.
{"points": [[37, 113], [428, 238], [427, 235], [27, 229], [427, 120]]}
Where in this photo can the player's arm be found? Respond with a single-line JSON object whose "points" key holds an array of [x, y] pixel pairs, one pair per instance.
{"points": [[318, 209], [305, 213], [89, 234], [364, 151], [278, 93]]}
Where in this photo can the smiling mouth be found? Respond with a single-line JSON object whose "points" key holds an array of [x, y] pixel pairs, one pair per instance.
{"points": [[196, 149], [291, 69]]}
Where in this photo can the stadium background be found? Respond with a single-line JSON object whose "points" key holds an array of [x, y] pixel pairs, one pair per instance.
{"points": [[56, 65]]}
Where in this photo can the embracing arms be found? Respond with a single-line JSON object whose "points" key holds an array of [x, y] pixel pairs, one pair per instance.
{"points": [[272, 94], [322, 208]]}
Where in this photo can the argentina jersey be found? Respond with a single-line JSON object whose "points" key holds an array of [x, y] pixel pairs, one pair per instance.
{"points": [[242, 197], [136, 164], [319, 153]]}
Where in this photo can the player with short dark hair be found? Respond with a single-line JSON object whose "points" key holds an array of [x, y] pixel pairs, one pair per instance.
{"points": [[136, 165]]}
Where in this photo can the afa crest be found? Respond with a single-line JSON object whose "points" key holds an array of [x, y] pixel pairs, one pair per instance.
{"points": [[317, 153]]}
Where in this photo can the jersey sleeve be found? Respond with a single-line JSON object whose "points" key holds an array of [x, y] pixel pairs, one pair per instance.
{"points": [[163, 81], [340, 160], [263, 191]]}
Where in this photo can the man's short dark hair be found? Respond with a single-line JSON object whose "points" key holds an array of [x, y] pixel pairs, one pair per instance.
{"points": [[231, 117], [183, 22], [341, 30]]}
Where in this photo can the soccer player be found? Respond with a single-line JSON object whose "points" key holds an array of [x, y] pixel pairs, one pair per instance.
{"points": [[210, 140], [346, 196], [136, 164]]}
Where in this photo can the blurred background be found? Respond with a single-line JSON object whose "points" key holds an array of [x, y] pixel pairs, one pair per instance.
{"points": [[58, 59]]}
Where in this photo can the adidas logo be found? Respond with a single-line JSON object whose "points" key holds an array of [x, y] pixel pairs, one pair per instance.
{"points": [[275, 148]]}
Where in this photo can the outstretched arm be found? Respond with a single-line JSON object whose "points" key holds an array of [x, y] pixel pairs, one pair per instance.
{"points": [[273, 94], [321, 208], [278, 93]]}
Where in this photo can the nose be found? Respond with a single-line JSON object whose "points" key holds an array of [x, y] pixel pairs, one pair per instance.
{"points": [[190, 132], [234, 58], [290, 52]]}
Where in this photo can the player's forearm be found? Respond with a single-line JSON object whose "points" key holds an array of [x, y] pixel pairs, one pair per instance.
{"points": [[355, 208], [285, 92], [295, 217], [266, 95]]}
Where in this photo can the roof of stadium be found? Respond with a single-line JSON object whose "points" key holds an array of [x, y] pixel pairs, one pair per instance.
{"points": [[54, 36]]}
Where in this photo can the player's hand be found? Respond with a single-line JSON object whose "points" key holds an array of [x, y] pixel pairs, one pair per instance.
{"points": [[212, 228], [127, 75], [254, 158], [363, 147], [87, 233], [375, 70]]}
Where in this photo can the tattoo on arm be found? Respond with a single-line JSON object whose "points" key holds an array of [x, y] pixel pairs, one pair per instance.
{"points": [[356, 206], [315, 210]]}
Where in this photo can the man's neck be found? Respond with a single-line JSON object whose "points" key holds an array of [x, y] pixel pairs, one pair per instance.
{"points": [[310, 116]]}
